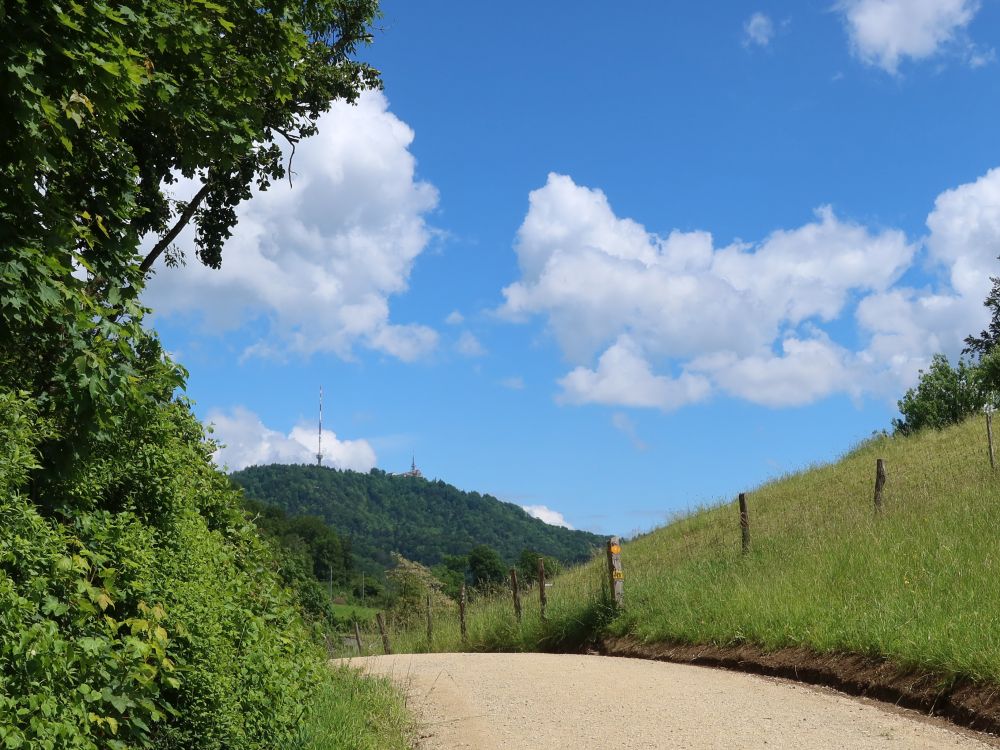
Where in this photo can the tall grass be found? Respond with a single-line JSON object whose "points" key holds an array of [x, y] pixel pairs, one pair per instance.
{"points": [[351, 711], [919, 585]]}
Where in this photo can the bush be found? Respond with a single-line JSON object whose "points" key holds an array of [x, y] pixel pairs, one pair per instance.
{"points": [[138, 608], [942, 397]]}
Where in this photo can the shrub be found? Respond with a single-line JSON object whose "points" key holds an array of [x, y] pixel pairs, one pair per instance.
{"points": [[138, 608], [943, 396]]}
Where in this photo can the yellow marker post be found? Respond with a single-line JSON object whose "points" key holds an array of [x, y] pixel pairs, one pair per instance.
{"points": [[615, 570]]}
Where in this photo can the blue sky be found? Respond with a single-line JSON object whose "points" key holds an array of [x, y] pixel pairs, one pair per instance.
{"points": [[611, 266]]}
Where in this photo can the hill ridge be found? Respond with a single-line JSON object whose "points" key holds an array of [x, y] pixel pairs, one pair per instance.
{"points": [[421, 519]]}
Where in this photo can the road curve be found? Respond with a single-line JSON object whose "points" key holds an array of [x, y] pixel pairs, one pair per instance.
{"points": [[556, 702]]}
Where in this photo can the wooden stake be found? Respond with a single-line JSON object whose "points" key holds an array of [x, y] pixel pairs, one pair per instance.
{"points": [[989, 437], [357, 638], [430, 624], [385, 635], [879, 483], [615, 574], [517, 594], [744, 524], [461, 615], [541, 586]]}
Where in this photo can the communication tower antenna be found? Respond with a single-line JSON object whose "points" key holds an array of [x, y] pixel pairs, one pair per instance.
{"points": [[319, 441]]}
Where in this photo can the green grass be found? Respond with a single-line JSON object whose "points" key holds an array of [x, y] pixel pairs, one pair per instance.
{"points": [[919, 585], [352, 611], [351, 711]]}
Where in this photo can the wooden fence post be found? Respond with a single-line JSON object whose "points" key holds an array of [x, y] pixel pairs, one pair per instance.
{"points": [[989, 437], [385, 635], [744, 523], [541, 586], [615, 570], [517, 594], [430, 623], [879, 483], [357, 638], [461, 615]]}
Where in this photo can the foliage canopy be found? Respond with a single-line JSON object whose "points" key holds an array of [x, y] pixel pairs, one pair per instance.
{"points": [[944, 395], [422, 520], [138, 606], [106, 106]]}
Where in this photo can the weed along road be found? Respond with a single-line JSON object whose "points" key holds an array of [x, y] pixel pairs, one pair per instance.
{"points": [[555, 702]]}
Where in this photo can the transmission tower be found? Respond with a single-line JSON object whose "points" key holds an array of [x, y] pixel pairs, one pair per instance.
{"points": [[319, 441]]}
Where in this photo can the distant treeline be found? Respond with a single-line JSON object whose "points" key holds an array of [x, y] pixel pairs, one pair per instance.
{"points": [[425, 521]]}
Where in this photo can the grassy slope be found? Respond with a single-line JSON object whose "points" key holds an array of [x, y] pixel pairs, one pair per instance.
{"points": [[919, 586]]}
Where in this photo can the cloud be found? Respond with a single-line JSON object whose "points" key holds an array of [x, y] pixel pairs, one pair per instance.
{"points": [[455, 318], [624, 377], [759, 30], [320, 260], [806, 371], [514, 383], [249, 442], [608, 287], [469, 346], [624, 424], [544, 513], [907, 325], [673, 319], [884, 32]]}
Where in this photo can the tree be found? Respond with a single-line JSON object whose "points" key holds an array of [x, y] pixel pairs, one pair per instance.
{"points": [[485, 565], [987, 378], [942, 396], [108, 104], [527, 566], [131, 554], [451, 572], [988, 339]]}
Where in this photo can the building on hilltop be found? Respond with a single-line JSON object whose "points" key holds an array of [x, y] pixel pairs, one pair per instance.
{"points": [[414, 471]]}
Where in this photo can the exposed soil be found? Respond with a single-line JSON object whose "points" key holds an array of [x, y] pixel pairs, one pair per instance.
{"points": [[964, 702]]}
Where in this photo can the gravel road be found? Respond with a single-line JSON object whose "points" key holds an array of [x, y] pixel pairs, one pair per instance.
{"points": [[552, 702]]}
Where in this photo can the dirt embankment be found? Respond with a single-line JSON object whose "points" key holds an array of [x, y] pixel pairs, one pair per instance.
{"points": [[963, 702]]}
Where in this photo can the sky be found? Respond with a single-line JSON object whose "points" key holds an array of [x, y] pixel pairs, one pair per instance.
{"points": [[610, 267]]}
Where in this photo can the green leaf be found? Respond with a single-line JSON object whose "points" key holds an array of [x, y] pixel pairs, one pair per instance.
{"points": [[111, 67], [121, 703]]}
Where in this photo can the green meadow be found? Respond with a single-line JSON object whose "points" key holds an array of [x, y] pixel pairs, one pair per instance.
{"points": [[918, 584]]}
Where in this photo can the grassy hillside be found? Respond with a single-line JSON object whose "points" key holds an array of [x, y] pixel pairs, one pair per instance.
{"points": [[420, 519], [919, 585]]}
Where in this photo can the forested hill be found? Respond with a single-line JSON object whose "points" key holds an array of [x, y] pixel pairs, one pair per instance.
{"points": [[420, 519]]}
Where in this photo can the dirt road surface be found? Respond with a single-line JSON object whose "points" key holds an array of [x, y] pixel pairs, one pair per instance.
{"points": [[556, 702]]}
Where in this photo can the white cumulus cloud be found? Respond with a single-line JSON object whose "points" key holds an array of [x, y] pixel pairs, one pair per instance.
{"points": [[624, 377], [907, 325], [884, 32], [247, 441], [715, 316], [805, 371], [664, 321], [320, 260], [544, 513], [759, 30]]}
